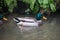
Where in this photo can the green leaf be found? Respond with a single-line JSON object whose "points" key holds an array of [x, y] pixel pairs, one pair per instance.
{"points": [[45, 1], [36, 8], [27, 1], [45, 4], [11, 4], [32, 4], [52, 6], [51, 1], [40, 2]]}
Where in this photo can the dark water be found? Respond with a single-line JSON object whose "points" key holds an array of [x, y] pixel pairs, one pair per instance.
{"points": [[50, 30]]}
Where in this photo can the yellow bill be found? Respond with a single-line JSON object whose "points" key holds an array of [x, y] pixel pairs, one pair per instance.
{"points": [[5, 19], [44, 18]]}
